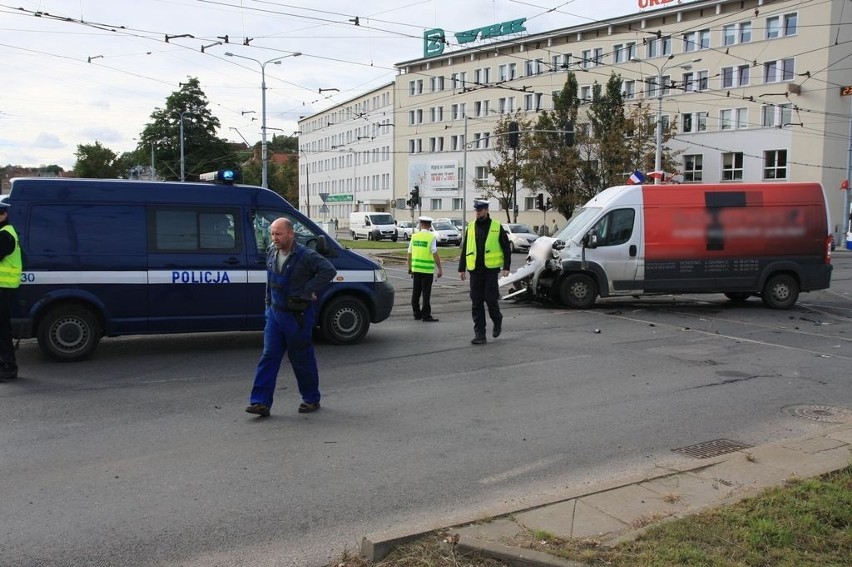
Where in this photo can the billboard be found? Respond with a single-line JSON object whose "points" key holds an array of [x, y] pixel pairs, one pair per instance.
{"points": [[434, 176]]}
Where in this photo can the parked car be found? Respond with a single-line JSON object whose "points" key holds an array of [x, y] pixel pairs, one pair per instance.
{"points": [[520, 236], [405, 229], [446, 234], [458, 223]]}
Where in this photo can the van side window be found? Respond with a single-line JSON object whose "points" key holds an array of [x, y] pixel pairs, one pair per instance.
{"points": [[262, 219], [193, 230], [616, 227]]}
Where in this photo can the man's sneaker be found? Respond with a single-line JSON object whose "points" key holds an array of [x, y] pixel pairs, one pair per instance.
{"points": [[305, 407], [478, 340], [498, 328], [430, 319], [417, 317], [258, 409]]}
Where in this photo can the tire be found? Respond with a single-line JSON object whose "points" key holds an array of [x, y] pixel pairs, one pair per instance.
{"points": [[406, 236], [780, 292], [394, 238], [512, 247], [345, 320], [737, 296], [578, 291], [69, 333]]}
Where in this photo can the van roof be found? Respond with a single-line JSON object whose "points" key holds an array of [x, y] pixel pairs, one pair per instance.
{"points": [[132, 191]]}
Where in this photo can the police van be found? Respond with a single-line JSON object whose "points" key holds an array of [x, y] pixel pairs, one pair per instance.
{"points": [[110, 258]]}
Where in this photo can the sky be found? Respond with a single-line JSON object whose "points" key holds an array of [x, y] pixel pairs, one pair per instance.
{"points": [[79, 71]]}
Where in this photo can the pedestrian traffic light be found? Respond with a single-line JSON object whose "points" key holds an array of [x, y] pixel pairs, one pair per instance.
{"points": [[539, 201], [548, 205], [513, 134]]}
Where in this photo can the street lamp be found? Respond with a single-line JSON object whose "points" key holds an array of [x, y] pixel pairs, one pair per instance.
{"points": [[182, 159], [658, 153], [264, 159]]}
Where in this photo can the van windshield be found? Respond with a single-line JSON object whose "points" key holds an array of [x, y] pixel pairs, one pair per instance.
{"points": [[578, 221], [381, 219]]}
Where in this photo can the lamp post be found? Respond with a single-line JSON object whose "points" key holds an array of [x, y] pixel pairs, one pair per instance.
{"points": [[182, 159], [658, 153], [264, 158]]}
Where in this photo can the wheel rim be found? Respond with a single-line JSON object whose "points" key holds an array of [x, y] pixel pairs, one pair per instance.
{"points": [[347, 321], [69, 334]]}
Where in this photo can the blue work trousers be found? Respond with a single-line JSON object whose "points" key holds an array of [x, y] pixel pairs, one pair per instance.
{"points": [[284, 333]]}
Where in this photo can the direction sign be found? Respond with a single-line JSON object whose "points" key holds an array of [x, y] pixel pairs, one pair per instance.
{"points": [[323, 196]]}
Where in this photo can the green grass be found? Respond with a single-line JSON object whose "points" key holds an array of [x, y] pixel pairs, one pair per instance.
{"points": [[806, 523]]}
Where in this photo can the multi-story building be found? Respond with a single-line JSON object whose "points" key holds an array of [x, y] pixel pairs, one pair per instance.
{"points": [[346, 161], [753, 89]]}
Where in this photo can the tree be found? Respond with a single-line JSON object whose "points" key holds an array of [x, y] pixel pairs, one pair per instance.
{"points": [[203, 151], [508, 166], [96, 161]]}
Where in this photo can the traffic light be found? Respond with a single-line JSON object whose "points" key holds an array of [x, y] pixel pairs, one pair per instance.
{"points": [[548, 205], [539, 201], [513, 134], [414, 201], [569, 134]]}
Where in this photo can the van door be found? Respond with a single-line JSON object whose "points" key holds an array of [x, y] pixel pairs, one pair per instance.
{"points": [[197, 275], [257, 250], [617, 252]]}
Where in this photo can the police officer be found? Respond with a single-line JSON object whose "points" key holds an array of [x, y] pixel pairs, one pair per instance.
{"points": [[424, 264], [295, 276], [10, 279], [486, 252]]}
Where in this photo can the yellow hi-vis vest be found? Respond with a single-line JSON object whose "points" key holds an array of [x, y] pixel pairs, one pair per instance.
{"points": [[493, 251], [11, 266], [422, 260]]}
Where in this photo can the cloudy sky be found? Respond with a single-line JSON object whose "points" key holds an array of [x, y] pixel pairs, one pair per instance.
{"points": [[79, 71]]}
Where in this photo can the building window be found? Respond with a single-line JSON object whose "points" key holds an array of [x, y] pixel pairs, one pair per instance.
{"points": [[415, 87], [585, 94], [534, 67], [659, 47], [780, 70], [458, 111], [437, 113], [736, 33], [693, 168], [586, 58], [695, 81], [735, 76], [480, 179], [415, 116], [695, 40], [781, 26], [742, 118], [775, 164], [732, 166], [624, 52], [694, 122], [629, 90], [506, 105], [482, 76], [776, 115], [436, 84], [435, 205], [415, 146], [436, 144], [532, 101]]}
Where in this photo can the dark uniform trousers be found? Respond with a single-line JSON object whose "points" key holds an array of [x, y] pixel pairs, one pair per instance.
{"points": [[483, 288], [422, 288]]}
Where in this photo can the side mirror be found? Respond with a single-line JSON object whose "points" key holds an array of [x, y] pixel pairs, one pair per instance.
{"points": [[322, 245], [591, 239]]}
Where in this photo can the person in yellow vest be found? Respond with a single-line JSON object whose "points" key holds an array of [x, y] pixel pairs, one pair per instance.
{"points": [[487, 254], [424, 264], [10, 279]]}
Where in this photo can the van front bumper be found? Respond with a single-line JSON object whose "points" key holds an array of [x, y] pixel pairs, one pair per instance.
{"points": [[383, 301]]}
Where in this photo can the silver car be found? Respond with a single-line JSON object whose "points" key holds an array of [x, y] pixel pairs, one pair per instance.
{"points": [[405, 229], [520, 236], [446, 234]]}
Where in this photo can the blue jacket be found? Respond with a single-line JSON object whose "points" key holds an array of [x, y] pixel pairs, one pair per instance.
{"points": [[310, 275]]}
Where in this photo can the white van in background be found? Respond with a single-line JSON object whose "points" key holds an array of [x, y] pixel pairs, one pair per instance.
{"points": [[372, 226]]}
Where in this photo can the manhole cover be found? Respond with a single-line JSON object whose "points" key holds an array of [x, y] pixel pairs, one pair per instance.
{"points": [[824, 414], [711, 448]]}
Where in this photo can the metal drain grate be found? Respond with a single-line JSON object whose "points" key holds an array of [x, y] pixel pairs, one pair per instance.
{"points": [[824, 414], [711, 448]]}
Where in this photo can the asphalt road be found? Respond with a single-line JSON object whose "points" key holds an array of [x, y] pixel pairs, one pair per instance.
{"points": [[143, 454]]}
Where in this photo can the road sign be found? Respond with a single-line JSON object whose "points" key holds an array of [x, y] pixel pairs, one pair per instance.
{"points": [[324, 209], [323, 196]]}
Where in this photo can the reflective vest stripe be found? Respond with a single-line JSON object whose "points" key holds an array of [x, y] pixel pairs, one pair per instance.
{"points": [[422, 260], [493, 251], [11, 266]]}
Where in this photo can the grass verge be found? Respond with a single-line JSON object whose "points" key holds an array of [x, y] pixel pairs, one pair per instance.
{"points": [[805, 523]]}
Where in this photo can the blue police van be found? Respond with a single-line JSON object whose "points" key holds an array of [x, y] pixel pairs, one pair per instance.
{"points": [[114, 257]]}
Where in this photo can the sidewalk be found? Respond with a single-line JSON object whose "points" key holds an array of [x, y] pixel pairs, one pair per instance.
{"points": [[722, 473]]}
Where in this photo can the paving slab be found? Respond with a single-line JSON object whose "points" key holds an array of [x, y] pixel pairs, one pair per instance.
{"points": [[691, 490], [556, 519], [591, 523], [799, 463], [501, 530], [632, 504]]}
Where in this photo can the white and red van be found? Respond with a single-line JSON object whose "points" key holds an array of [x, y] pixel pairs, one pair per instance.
{"points": [[764, 239]]}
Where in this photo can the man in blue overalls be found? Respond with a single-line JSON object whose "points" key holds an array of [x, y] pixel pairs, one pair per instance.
{"points": [[295, 276]]}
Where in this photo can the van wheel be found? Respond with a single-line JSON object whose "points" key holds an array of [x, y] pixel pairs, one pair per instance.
{"points": [[345, 320], [780, 292], [69, 333], [393, 238], [737, 296], [578, 291]]}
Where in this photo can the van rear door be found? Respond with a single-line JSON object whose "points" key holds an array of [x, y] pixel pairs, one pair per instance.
{"points": [[197, 276]]}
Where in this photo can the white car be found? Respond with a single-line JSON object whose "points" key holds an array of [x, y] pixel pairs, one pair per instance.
{"points": [[521, 236], [446, 234], [405, 229]]}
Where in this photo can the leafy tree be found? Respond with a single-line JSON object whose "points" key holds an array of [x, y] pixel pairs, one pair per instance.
{"points": [[283, 143], [284, 179], [203, 151], [96, 161], [508, 167]]}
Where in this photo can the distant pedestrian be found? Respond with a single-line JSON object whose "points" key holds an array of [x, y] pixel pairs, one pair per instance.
{"points": [[335, 223], [554, 228], [296, 275], [424, 264], [11, 268], [486, 253]]}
